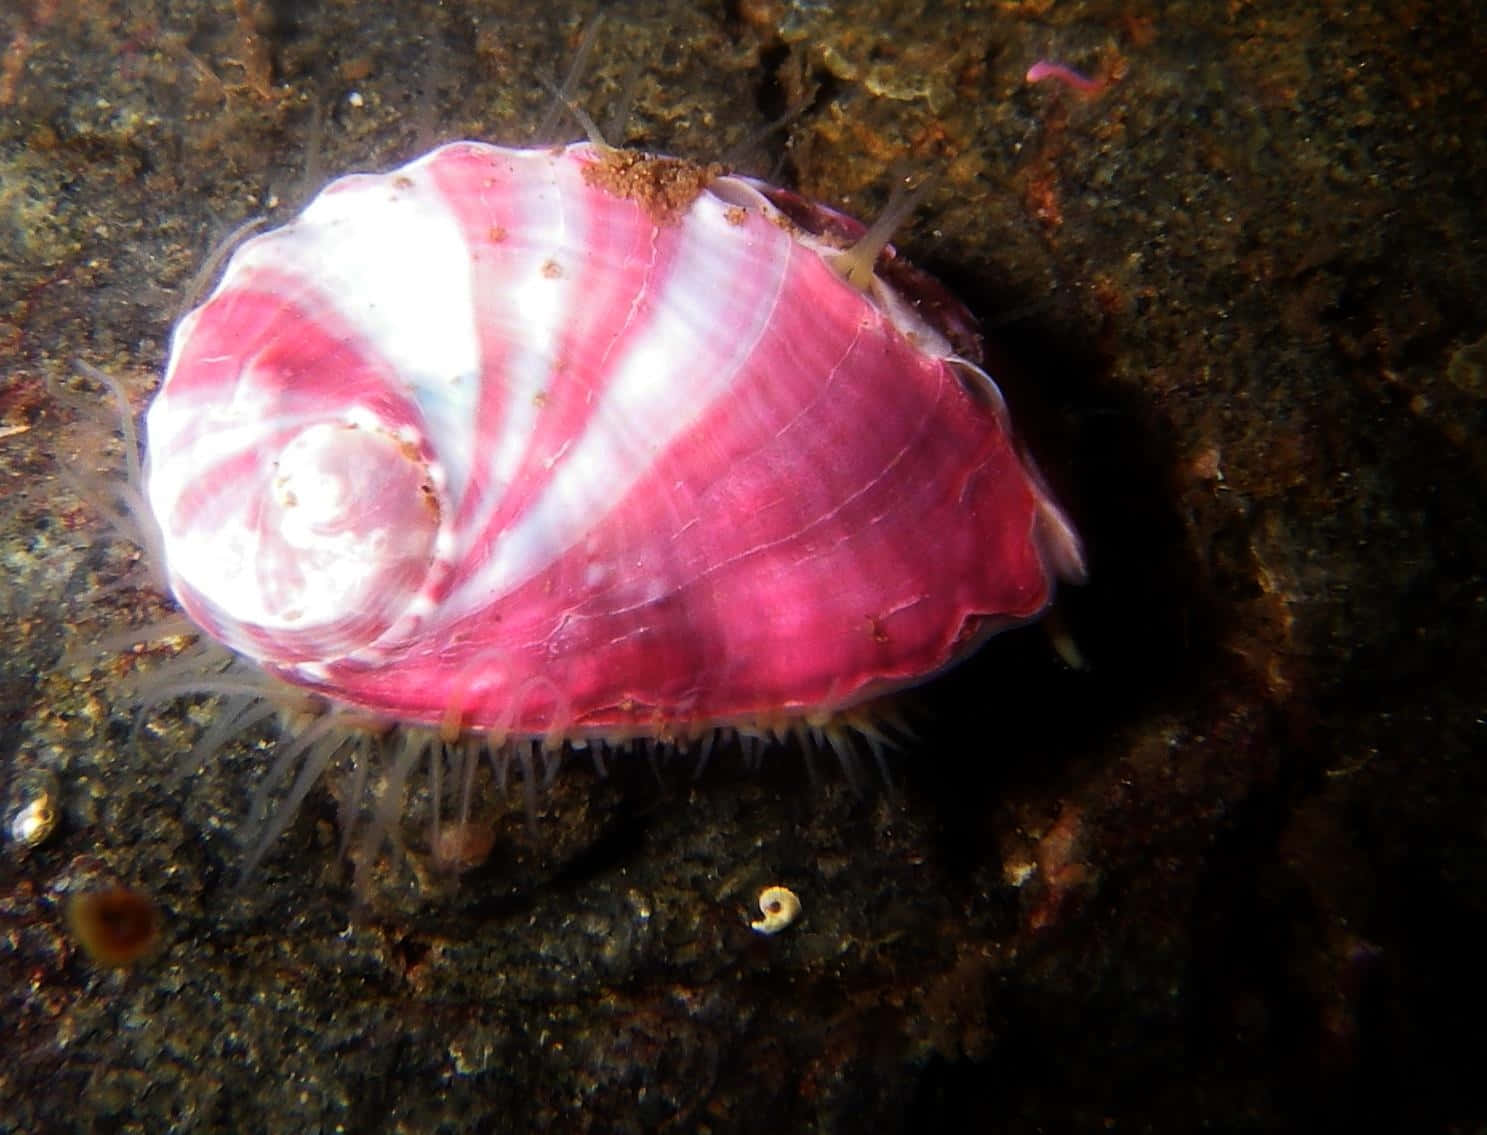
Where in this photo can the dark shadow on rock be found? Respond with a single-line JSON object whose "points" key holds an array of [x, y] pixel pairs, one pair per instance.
{"points": [[1146, 622]]}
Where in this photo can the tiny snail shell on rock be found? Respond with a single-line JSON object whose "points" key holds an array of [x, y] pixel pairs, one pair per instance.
{"points": [[36, 810], [780, 907]]}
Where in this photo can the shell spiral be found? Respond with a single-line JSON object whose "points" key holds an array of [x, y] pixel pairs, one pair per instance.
{"points": [[490, 436]]}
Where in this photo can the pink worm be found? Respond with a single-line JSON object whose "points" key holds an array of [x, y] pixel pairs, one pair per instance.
{"points": [[1043, 69]]}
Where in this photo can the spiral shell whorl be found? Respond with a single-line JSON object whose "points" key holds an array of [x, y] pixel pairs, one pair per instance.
{"points": [[307, 552]]}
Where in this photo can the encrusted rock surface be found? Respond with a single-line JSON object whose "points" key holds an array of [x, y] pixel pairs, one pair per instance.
{"points": [[1227, 875]]}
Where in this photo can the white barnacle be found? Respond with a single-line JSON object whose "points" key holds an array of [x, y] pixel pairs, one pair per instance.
{"points": [[780, 907]]}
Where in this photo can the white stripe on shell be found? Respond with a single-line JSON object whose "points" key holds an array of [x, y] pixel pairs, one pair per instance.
{"points": [[665, 380], [391, 258], [549, 231]]}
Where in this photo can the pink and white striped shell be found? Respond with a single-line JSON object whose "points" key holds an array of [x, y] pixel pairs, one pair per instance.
{"points": [[504, 438]]}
